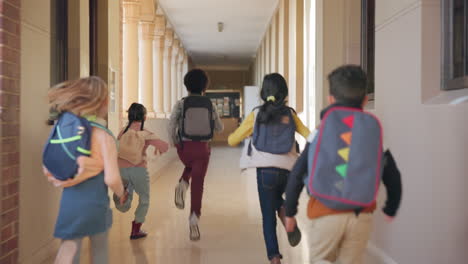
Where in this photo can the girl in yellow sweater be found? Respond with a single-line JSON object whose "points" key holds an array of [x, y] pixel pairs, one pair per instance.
{"points": [[272, 151]]}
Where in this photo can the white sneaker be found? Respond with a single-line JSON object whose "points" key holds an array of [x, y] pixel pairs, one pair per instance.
{"points": [[180, 191], [193, 224]]}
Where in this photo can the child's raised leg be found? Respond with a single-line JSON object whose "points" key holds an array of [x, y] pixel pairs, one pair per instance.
{"points": [[271, 183], [141, 185]]}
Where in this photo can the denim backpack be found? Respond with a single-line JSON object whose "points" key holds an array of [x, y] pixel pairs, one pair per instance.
{"points": [[197, 122], [69, 139], [345, 160], [275, 137]]}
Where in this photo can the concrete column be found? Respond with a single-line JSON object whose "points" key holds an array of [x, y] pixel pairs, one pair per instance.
{"points": [[296, 54], [145, 51], [131, 12], [184, 72], [180, 73], [168, 39], [174, 63], [274, 43], [158, 65], [283, 37], [268, 51], [261, 65]]}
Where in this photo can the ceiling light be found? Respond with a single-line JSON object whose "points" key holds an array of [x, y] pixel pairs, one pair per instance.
{"points": [[220, 26]]}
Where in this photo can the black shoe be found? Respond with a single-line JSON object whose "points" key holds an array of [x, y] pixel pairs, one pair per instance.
{"points": [[294, 237]]}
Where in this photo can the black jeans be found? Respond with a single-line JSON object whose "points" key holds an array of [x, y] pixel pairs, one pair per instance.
{"points": [[271, 184]]}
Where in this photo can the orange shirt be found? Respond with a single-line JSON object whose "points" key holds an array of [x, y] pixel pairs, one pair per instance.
{"points": [[316, 209]]}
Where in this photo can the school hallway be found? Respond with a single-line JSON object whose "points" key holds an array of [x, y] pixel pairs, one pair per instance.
{"points": [[231, 228], [414, 52]]}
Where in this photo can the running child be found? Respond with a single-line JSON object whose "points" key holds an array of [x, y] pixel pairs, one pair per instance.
{"points": [[193, 121], [273, 151], [84, 207], [343, 163], [134, 140]]}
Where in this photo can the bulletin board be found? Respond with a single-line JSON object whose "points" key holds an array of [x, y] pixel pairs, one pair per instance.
{"points": [[228, 102]]}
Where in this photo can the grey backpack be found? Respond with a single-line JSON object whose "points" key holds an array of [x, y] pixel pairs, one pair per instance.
{"points": [[197, 118], [345, 160], [275, 137]]}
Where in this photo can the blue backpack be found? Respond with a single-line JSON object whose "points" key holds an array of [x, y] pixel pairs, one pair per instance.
{"points": [[345, 160], [275, 137], [69, 139]]}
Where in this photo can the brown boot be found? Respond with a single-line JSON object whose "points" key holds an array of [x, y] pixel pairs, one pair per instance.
{"points": [[136, 231]]}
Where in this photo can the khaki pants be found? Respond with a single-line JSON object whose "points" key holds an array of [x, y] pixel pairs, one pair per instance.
{"points": [[340, 238]]}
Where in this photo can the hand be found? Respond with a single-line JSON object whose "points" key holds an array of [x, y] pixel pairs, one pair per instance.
{"points": [[389, 219], [58, 183], [290, 224], [123, 198]]}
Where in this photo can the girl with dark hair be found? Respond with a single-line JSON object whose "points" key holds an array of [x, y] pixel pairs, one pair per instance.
{"points": [[272, 151], [133, 143]]}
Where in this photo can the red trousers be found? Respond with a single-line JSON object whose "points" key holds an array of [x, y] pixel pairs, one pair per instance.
{"points": [[195, 156]]}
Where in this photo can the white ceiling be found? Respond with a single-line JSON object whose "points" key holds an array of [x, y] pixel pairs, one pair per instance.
{"points": [[196, 24]]}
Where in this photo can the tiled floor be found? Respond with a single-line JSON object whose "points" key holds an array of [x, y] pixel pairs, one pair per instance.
{"points": [[230, 225]]}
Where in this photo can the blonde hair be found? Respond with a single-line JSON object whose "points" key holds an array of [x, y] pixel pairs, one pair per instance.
{"points": [[85, 96]]}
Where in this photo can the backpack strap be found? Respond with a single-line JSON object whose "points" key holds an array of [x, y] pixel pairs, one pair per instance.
{"points": [[97, 125], [62, 142]]}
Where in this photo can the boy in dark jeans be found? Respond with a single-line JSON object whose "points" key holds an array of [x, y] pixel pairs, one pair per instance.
{"points": [[340, 236], [194, 154]]}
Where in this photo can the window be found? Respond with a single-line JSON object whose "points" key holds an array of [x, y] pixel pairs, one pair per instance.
{"points": [[455, 45], [59, 41], [368, 42], [93, 37], [58, 47]]}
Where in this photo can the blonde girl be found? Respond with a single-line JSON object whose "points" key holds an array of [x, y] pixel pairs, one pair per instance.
{"points": [[84, 207]]}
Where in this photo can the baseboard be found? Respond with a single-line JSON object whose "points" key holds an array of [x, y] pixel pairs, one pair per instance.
{"points": [[43, 254], [379, 254]]}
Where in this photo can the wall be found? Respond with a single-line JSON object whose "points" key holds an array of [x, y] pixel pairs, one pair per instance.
{"points": [[282, 50], [228, 79], [10, 12], [113, 65], [428, 140], [159, 162], [338, 42], [35, 81], [37, 244]]}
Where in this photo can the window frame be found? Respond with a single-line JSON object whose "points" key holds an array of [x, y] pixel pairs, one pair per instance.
{"points": [[449, 82], [368, 43], [93, 38], [59, 41]]}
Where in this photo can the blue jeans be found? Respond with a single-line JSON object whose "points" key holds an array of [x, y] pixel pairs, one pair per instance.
{"points": [[271, 184]]}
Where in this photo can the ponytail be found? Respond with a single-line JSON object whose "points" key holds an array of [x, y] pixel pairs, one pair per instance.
{"points": [[274, 93], [136, 113], [128, 126]]}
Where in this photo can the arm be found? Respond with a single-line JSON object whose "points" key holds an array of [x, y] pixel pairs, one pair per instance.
{"points": [[111, 168], [159, 145], [296, 183], [392, 180], [300, 127], [174, 122], [243, 131]]}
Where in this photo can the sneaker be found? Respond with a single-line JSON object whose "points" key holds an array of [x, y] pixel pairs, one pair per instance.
{"points": [[180, 191], [193, 224], [275, 260], [294, 237]]}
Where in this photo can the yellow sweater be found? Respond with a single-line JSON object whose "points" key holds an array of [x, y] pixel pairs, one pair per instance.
{"points": [[246, 129]]}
